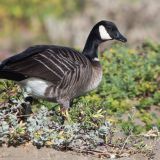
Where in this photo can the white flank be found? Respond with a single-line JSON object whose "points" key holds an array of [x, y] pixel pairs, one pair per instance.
{"points": [[103, 33], [36, 87]]}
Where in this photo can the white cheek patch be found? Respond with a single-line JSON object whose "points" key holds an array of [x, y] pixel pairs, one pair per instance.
{"points": [[95, 59], [103, 33]]}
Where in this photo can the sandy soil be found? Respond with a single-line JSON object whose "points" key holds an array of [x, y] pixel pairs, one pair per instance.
{"points": [[30, 152]]}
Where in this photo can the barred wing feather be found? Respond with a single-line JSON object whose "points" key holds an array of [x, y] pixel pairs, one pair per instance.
{"points": [[50, 64]]}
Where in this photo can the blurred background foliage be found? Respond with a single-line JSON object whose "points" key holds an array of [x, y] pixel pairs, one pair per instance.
{"points": [[27, 22], [23, 10], [27, 17]]}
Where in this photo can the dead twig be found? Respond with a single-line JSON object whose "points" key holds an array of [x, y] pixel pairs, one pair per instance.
{"points": [[124, 144]]}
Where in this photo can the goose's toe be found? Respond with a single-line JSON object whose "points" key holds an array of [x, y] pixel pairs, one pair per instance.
{"points": [[65, 115]]}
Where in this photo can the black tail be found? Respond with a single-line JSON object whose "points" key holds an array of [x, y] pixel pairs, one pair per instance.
{"points": [[11, 75]]}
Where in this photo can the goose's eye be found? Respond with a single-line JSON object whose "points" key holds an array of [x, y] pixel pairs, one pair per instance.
{"points": [[109, 28]]}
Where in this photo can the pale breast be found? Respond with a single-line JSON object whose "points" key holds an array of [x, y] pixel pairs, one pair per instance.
{"points": [[96, 77]]}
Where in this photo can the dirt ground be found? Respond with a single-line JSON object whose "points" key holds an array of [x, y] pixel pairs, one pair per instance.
{"points": [[30, 152]]}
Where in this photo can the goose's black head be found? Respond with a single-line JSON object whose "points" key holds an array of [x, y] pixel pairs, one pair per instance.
{"points": [[106, 30], [101, 32]]}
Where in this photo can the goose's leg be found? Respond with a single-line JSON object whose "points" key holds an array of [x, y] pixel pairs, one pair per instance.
{"points": [[65, 114], [26, 110], [65, 104], [28, 101]]}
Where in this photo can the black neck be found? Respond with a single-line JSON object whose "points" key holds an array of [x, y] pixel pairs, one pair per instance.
{"points": [[91, 47]]}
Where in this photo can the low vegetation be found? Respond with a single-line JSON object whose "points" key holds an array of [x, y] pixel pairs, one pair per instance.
{"points": [[125, 105]]}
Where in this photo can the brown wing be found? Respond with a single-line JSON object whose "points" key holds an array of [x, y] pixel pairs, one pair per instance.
{"points": [[51, 64]]}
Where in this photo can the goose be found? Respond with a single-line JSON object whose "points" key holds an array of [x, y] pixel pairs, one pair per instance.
{"points": [[57, 73]]}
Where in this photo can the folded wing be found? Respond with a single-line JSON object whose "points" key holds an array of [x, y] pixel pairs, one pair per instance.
{"points": [[50, 63]]}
